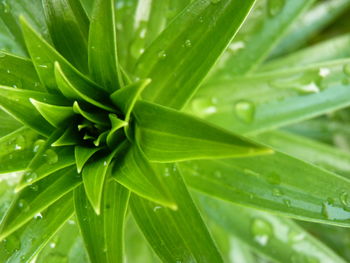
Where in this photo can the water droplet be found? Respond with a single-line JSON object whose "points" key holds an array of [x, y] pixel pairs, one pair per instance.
{"points": [[236, 46], [262, 231], [20, 142], [37, 145], [324, 72], [43, 66], [166, 172], [38, 216], [346, 69], [245, 111], [277, 192], [105, 163], [188, 43], [287, 202], [332, 212], [29, 177], [52, 245], [51, 156], [34, 187], [204, 106], [294, 236], [308, 88], [274, 7], [11, 244], [23, 205], [162, 55], [156, 208]]}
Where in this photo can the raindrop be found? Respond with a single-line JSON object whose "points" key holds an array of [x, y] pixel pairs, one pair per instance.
{"points": [[287, 202], [245, 111], [277, 192], [38, 216], [156, 208], [188, 43], [294, 236], [37, 145], [162, 55], [34, 187], [308, 88], [52, 245], [43, 66], [20, 142], [29, 177], [204, 106], [166, 172], [324, 72], [274, 7], [262, 231], [236, 46], [105, 163], [23, 205], [51, 156], [344, 199]]}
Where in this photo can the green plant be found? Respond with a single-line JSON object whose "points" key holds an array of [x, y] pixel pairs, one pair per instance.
{"points": [[110, 118]]}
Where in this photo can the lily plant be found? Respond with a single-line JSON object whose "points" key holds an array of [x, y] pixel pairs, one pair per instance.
{"points": [[167, 115]]}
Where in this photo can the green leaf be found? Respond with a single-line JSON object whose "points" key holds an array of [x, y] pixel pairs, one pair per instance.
{"points": [[277, 183], [69, 137], [36, 198], [312, 22], [8, 124], [125, 99], [46, 161], [270, 100], [18, 72], [103, 60], [178, 61], [69, 28], [94, 175], [16, 103], [332, 49], [134, 172], [17, 150], [98, 118], [33, 236], [275, 237], [174, 235], [166, 135], [113, 136], [77, 87], [82, 155], [258, 36], [103, 234], [54, 114]]}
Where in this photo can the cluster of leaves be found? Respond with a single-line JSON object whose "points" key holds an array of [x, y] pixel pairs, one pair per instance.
{"points": [[110, 120]]}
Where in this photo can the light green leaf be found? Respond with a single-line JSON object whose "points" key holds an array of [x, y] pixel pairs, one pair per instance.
{"points": [[33, 236], [126, 98], [114, 136], [174, 235], [69, 28], [17, 150], [260, 34], [166, 135], [54, 114], [103, 60], [103, 234], [178, 61], [77, 87], [277, 238], [332, 49], [135, 173], [18, 72], [277, 183], [82, 155], [8, 124], [267, 101], [16, 103], [34, 199], [69, 137], [312, 22], [94, 175]]}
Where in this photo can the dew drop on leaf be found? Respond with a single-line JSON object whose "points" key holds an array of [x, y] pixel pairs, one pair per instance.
{"points": [[204, 106], [245, 110], [188, 43], [162, 54], [37, 145], [262, 231], [51, 156], [156, 208], [274, 7], [277, 192], [23, 205], [29, 177], [287, 202], [38, 216]]}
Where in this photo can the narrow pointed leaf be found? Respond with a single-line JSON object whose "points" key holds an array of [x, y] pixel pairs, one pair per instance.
{"points": [[18, 72], [17, 150], [166, 135], [278, 183], [82, 155], [135, 173], [103, 61], [101, 138], [94, 175], [126, 98], [177, 62], [8, 124], [78, 87], [117, 123], [103, 234], [275, 237], [54, 114], [16, 103], [36, 198], [177, 239], [70, 136], [37, 233], [93, 117], [68, 26]]}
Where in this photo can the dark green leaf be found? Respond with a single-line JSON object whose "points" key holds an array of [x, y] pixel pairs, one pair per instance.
{"points": [[103, 60], [82, 155], [98, 118], [166, 135]]}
